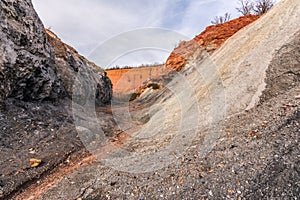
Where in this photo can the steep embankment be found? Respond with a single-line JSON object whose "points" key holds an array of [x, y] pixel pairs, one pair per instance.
{"points": [[224, 129], [35, 90], [126, 81], [209, 40]]}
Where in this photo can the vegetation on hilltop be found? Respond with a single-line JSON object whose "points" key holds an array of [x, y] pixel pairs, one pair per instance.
{"points": [[247, 7]]}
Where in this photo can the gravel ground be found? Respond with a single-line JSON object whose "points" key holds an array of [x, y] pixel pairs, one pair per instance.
{"points": [[37, 130], [30, 130], [257, 157]]}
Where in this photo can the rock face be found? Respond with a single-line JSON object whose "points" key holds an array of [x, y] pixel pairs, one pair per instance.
{"points": [[125, 81], [27, 65], [29, 70], [69, 64], [210, 40]]}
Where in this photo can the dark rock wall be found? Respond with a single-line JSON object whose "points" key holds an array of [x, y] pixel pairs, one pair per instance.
{"points": [[71, 65], [33, 69], [27, 65]]}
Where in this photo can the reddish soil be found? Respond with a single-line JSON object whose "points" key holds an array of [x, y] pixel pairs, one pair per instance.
{"points": [[214, 36], [210, 40], [72, 164], [44, 184]]}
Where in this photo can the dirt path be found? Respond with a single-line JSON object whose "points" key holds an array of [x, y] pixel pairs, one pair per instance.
{"points": [[73, 163], [39, 187]]}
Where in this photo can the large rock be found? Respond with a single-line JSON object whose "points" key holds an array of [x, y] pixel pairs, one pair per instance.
{"points": [[32, 72], [70, 64], [29, 69], [27, 65]]}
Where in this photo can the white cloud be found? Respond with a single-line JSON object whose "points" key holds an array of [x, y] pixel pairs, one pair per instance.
{"points": [[85, 24]]}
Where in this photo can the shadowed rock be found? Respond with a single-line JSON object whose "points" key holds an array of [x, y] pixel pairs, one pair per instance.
{"points": [[34, 76]]}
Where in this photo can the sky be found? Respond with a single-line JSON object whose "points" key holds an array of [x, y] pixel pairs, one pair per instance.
{"points": [[96, 28]]}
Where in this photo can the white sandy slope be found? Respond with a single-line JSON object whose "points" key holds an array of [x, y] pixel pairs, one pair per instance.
{"points": [[243, 60], [226, 83]]}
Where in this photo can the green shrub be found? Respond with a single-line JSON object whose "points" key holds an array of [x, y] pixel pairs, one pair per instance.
{"points": [[133, 96], [154, 86]]}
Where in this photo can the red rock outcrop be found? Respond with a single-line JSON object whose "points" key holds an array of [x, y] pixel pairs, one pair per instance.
{"points": [[210, 40]]}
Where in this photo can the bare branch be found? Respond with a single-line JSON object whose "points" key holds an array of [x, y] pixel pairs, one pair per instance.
{"points": [[263, 6], [246, 7], [221, 19]]}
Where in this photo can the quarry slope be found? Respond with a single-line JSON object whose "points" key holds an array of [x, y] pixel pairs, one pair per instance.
{"points": [[226, 127]]}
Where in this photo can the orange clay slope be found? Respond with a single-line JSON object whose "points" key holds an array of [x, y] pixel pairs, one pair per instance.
{"points": [[210, 40]]}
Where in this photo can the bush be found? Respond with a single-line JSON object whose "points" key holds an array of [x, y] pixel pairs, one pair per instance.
{"points": [[154, 86], [263, 6], [246, 7], [133, 96]]}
